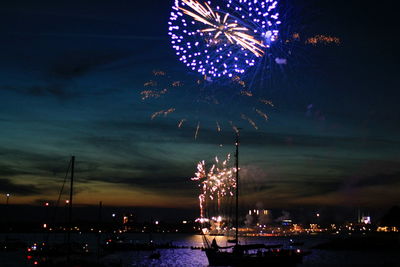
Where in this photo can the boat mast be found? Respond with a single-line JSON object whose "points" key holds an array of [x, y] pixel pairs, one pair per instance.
{"points": [[71, 190], [237, 187]]}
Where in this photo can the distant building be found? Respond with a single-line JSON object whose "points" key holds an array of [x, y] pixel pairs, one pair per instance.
{"points": [[258, 217], [387, 229], [128, 221], [259, 212], [365, 220]]}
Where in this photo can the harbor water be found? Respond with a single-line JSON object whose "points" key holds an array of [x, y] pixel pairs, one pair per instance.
{"points": [[186, 256]]}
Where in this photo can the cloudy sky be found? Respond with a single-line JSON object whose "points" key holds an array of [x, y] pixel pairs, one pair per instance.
{"points": [[71, 73]]}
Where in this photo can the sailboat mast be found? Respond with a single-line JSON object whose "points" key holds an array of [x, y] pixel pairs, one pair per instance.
{"points": [[237, 187], [71, 190]]}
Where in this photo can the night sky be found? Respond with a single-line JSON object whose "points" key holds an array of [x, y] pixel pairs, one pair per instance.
{"points": [[71, 73]]}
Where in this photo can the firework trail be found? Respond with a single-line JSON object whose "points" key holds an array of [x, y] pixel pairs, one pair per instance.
{"points": [[150, 83], [323, 39], [250, 121], [218, 126], [159, 73], [262, 114], [180, 123], [234, 127], [152, 94], [246, 93], [267, 102], [197, 131], [164, 86], [162, 112]]}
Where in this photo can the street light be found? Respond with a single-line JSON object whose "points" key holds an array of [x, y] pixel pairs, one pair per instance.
{"points": [[318, 219], [46, 214]]}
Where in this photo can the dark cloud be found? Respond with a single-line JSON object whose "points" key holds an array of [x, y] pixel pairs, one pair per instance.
{"points": [[62, 90], [56, 90], [59, 82], [209, 135], [150, 128], [78, 63], [118, 144], [253, 188], [379, 180], [295, 188], [59, 167], [313, 141], [314, 188], [152, 182], [35, 163], [163, 184], [7, 186], [145, 173], [7, 170]]}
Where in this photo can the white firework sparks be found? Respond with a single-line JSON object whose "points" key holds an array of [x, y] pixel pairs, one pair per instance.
{"points": [[217, 183], [223, 26]]}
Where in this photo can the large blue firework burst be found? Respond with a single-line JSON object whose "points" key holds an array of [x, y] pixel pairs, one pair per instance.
{"points": [[225, 38]]}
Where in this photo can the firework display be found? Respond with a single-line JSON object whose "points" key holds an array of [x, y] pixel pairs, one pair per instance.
{"points": [[223, 38], [216, 184], [237, 52]]}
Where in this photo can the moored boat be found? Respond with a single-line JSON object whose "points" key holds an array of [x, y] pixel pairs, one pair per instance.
{"points": [[249, 255]]}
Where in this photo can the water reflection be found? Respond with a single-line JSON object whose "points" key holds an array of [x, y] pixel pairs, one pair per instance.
{"points": [[195, 257]]}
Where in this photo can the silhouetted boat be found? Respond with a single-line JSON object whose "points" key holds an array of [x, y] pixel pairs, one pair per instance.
{"points": [[249, 255], [242, 256]]}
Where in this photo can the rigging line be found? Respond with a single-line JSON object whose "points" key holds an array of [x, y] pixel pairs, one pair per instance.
{"points": [[59, 195]]}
